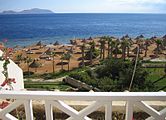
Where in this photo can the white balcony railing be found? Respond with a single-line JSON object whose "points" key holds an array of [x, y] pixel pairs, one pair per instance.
{"points": [[99, 99]]}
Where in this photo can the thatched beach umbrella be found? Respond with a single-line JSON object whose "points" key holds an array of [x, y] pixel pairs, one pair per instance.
{"points": [[90, 38], [39, 44], [164, 37], [56, 43], [48, 51], [140, 37], [44, 56], [153, 38], [84, 40], [73, 42], [35, 65], [126, 36], [123, 38]]}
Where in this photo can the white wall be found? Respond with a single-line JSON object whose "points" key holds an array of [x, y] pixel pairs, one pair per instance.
{"points": [[14, 72]]}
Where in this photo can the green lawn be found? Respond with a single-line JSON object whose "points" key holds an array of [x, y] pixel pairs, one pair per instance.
{"points": [[47, 85], [155, 74], [55, 75]]}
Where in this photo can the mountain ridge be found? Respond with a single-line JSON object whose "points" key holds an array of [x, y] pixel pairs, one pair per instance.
{"points": [[29, 11]]}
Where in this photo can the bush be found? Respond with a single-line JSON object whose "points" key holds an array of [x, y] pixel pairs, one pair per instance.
{"points": [[106, 84], [83, 77], [115, 75], [26, 73]]}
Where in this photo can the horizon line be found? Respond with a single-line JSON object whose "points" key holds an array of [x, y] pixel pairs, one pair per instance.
{"points": [[1, 13]]}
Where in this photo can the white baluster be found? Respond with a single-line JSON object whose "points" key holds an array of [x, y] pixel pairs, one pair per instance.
{"points": [[129, 110], [28, 109], [108, 111], [48, 110]]}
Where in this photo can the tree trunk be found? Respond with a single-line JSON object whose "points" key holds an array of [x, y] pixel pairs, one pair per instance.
{"points": [[128, 51], [146, 49], [28, 70], [53, 67], [108, 49], [62, 64], [123, 53], [116, 52], [68, 65], [91, 56], [111, 52], [103, 51], [157, 53], [83, 58]]}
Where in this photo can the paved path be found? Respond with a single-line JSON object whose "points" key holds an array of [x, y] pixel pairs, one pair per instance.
{"points": [[49, 80]]}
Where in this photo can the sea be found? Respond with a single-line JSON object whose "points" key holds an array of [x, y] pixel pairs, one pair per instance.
{"points": [[28, 29]]}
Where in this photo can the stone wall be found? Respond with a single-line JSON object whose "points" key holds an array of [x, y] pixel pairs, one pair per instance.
{"points": [[78, 84]]}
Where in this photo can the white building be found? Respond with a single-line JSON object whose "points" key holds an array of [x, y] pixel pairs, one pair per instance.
{"points": [[14, 72]]}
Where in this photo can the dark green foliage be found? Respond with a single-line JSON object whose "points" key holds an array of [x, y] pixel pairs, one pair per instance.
{"points": [[118, 51], [107, 84], [95, 54], [121, 72], [115, 75], [165, 69], [83, 77]]}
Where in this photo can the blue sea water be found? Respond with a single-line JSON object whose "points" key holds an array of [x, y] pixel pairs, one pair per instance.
{"points": [[27, 29]]}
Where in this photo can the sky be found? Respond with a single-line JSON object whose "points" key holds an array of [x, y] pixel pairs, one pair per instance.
{"points": [[87, 6]]}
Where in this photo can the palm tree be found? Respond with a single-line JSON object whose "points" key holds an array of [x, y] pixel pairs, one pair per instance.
{"points": [[92, 49], [112, 45], [19, 58], [130, 42], [67, 56], [101, 50], [116, 43], [62, 58], [109, 40], [158, 42], [146, 47], [27, 61], [124, 45], [53, 54], [83, 54], [102, 47]]}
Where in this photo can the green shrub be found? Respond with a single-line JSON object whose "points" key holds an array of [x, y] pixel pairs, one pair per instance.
{"points": [[83, 77]]}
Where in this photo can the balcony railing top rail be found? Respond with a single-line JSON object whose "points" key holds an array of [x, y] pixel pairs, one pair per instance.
{"points": [[111, 96]]}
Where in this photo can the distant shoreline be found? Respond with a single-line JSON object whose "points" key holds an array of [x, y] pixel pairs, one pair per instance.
{"points": [[49, 41], [85, 13]]}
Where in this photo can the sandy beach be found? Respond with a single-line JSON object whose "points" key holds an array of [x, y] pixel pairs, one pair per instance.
{"points": [[40, 53]]}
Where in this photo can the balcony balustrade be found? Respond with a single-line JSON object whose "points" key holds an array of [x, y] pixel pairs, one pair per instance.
{"points": [[99, 99]]}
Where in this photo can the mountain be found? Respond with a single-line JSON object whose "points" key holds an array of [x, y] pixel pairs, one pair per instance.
{"points": [[30, 11]]}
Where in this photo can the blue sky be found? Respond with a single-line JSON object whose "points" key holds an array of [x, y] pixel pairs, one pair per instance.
{"points": [[88, 6]]}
